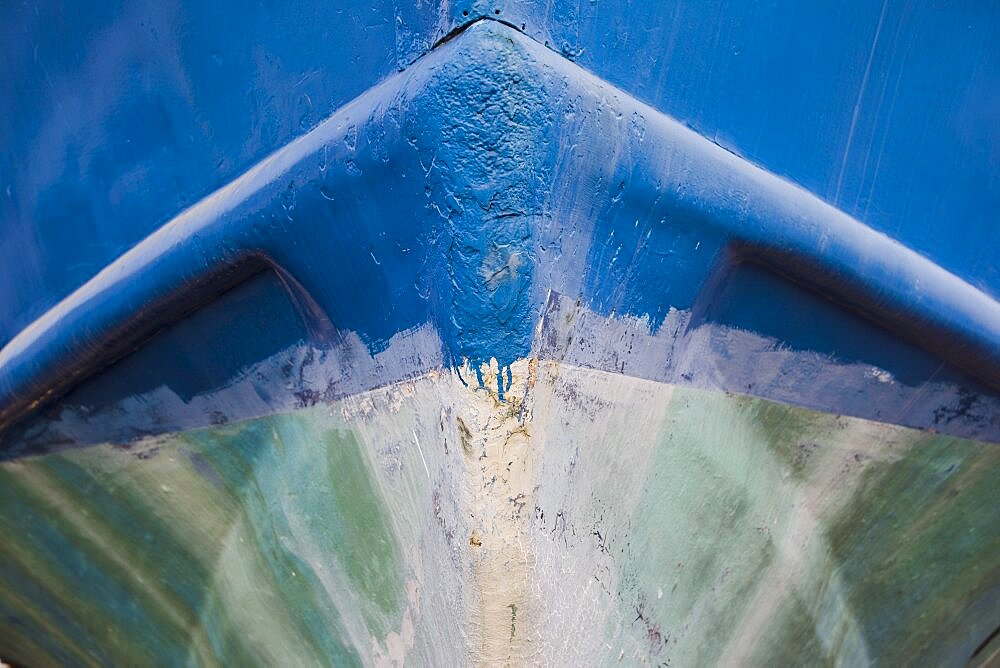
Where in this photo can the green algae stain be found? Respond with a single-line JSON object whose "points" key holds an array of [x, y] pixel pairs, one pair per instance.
{"points": [[793, 436], [98, 560], [315, 510], [862, 541], [918, 546], [249, 544], [365, 542], [701, 531], [792, 639]]}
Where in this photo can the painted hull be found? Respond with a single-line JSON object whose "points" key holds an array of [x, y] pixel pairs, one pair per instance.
{"points": [[498, 364], [593, 519]]}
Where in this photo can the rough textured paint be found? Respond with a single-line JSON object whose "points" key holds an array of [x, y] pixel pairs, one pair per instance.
{"points": [[120, 116], [422, 195]]}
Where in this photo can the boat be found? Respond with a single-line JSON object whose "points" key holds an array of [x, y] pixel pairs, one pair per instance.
{"points": [[500, 334]]}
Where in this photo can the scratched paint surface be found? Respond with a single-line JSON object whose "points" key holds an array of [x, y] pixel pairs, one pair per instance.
{"points": [[591, 517], [402, 462]]}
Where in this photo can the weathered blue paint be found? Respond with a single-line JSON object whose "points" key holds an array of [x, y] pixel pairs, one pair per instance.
{"points": [[115, 118], [440, 196]]}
